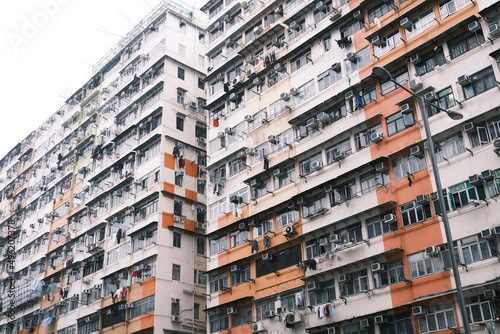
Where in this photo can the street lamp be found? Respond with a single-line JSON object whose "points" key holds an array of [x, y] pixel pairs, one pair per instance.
{"points": [[381, 73]]}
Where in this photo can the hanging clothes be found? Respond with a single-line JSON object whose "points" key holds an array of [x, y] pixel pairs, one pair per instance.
{"points": [[133, 273], [326, 310], [226, 87], [239, 212], [266, 163], [299, 298], [216, 123], [267, 242], [118, 235], [330, 310], [318, 312], [255, 246], [359, 102]]}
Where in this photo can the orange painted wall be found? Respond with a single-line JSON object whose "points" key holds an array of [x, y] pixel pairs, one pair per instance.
{"points": [[169, 161], [191, 169], [167, 220], [192, 195]]}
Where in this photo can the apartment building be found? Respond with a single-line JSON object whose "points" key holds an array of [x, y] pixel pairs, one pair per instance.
{"points": [[322, 208], [103, 203]]}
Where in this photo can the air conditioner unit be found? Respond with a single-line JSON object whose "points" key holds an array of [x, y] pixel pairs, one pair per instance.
{"points": [[176, 318], [241, 155], [344, 278], [316, 165], [300, 200], [290, 205], [294, 91], [122, 307], [294, 26], [379, 319], [323, 241], [423, 199], [429, 97], [405, 23], [311, 286], [415, 58], [234, 199], [201, 141], [271, 139], [334, 14], [487, 234], [469, 127], [251, 222], [175, 300], [416, 152], [336, 67], [390, 218], [278, 172], [258, 30], [269, 314], [258, 327], [349, 95], [463, 80], [231, 310], [312, 123], [192, 105], [289, 230], [474, 26], [357, 14], [376, 267], [364, 323], [489, 294], [253, 183], [488, 175], [267, 257], [351, 56], [232, 96], [406, 109], [293, 318], [250, 72], [494, 30], [335, 238], [234, 268], [323, 117], [339, 155], [381, 167], [285, 96], [333, 330], [250, 151], [431, 251], [199, 225], [418, 310], [248, 118], [179, 173], [320, 5], [376, 137], [242, 226], [376, 40], [328, 188], [475, 180]]}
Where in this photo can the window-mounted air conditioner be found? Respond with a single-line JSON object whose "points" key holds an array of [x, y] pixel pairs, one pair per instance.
{"points": [[463, 80], [376, 267], [473, 26], [376, 137], [416, 152], [418, 310], [381, 167], [405, 23], [376, 40], [406, 109], [429, 97], [431, 251], [351, 56]]}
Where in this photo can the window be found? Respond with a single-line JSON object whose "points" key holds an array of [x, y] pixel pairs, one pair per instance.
{"points": [[479, 309], [449, 147], [429, 61], [350, 234], [241, 275], [485, 132], [299, 29], [182, 50], [400, 75], [258, 119], [314, 249], [343, 146], [277, 108], [305, 92], [362, 139], [243, 317], [399, 122], [462, 193], [327, 43], [176, 272], [407, 164], [369, 95], [446, 8], [196, 311], [325, 293], [343, 192], [201, 84], [219, 322], [438, 317], [177, 240], [239, 237], [398, 323], [263, 227], [305, 166], [214, 10], [180, 97], [377, 226], [218, 282], [465, 42], [180, 123], [217, 209], [445, 100], [412, 212], [380, 10], [218, 245], [362, 58], [200, 246], [423, 265], [314, 205], [286, 177], [262, 188], [180, 73], [494, 185], [262, 306], [237, 165], [421, 23], [480, 83], [475, 248], [328, 78], [283, 140], [300, 61], [356, 283], [393, 272], [256, 89], [351, 28], [281, 260], [200, 277], [175, 308], [372, 180], [388, 43], [242, 196], [215, 87]]}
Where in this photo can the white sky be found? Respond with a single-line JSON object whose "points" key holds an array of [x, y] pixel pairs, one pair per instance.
{"points": [[54, 59]]}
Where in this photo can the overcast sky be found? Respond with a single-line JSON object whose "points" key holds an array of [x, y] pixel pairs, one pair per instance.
{"points": [[48, 48]]}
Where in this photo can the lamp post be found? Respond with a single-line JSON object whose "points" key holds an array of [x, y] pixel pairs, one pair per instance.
{"points": [[382, 73]]}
